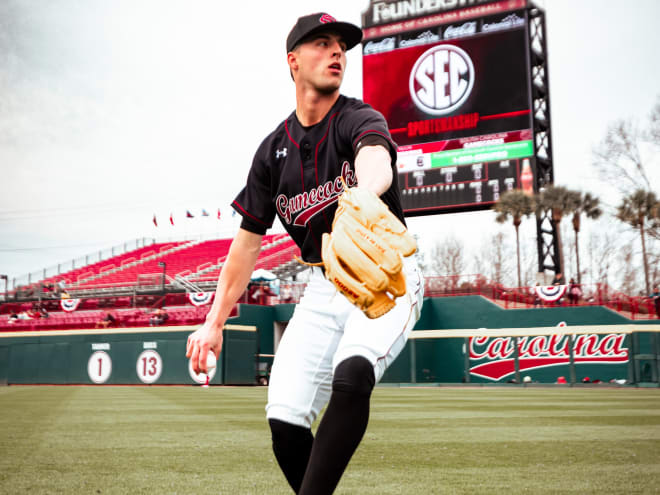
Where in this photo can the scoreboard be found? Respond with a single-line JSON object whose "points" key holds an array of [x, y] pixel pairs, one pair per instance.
{"points": [[454, 87]]}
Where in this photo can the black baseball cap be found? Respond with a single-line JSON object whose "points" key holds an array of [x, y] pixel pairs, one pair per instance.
{"points": [[319, 22]]}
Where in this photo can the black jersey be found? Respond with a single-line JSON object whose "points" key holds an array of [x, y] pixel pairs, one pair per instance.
{"points": [[296, 173]]}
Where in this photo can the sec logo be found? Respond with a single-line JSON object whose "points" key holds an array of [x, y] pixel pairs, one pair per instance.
{"points": [[441, 79]]}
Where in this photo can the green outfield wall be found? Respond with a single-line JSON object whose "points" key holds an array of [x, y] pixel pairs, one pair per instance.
{"points": [[608, 349], [606, 352], [136, 356]]}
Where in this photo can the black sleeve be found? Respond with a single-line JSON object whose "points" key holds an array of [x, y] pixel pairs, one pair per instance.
{"points": [[254, 203], [365, 126], [252, 226], [372, 140]]}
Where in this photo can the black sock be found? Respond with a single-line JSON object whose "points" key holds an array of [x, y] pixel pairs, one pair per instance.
{"points": [[342, 427], [292, 446]]}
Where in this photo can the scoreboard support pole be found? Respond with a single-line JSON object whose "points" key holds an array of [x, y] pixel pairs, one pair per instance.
{"points": [[546, 230]]}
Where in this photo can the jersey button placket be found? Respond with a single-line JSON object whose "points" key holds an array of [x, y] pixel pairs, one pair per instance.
{"points": [[306, 151], [307, 161]]}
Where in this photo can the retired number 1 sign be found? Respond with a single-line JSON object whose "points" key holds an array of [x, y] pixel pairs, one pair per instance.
{"points": [[99, 367]]}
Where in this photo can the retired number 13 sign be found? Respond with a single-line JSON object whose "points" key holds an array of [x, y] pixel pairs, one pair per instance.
{"points": [[149, 366]]}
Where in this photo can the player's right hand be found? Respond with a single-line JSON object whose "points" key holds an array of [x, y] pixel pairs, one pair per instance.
{"points": [[207, 338]]}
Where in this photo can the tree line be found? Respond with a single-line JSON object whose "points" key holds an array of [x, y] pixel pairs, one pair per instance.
{"points": [[626, 159]]}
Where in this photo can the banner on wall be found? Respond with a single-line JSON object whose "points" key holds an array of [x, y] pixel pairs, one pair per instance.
{"points": [[550, 293], [69, 304], [200, 298]]}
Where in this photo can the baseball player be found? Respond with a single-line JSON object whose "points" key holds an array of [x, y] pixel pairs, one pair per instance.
{"points": [[331, 352]]}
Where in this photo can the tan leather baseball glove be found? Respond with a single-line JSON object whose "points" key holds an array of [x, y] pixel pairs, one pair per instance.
{"points": [[363, 254]]}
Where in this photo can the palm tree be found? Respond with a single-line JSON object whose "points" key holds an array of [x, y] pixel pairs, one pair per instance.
{"points": [[635, 209], [560, 201], [588, 205], [515, 204]]}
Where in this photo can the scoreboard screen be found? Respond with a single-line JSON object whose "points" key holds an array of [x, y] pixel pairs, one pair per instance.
{"points": [[456, 97]]}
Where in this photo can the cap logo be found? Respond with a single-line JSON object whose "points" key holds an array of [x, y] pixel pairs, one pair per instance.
{"points": [[326, 18]]}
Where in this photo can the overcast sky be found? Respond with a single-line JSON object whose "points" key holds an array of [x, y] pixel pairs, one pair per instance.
{"points": [[113, 111]]}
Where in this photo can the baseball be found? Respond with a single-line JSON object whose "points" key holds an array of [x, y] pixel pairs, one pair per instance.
{"points": [[211, 361]]}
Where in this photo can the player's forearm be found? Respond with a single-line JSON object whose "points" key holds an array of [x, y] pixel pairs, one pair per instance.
{"points": [[235, 276], [373, 167]]}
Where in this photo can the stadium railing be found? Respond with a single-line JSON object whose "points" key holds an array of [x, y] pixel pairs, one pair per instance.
{"points": [[75, 263]]}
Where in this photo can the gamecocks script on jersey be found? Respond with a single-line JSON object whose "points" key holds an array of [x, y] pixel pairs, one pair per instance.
{"points": [[299, 209]]}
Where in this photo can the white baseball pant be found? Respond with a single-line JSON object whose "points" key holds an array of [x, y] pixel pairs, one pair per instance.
{"points": [[324, 330]]}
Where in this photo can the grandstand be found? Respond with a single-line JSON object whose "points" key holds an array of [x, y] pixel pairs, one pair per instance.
{"points": [[191, 260], [163, 275], [121, 297], [114, 264], [131, 284]]}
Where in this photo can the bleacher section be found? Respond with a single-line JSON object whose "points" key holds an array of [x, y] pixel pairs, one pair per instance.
{"points": [[86, 319], [277, 251], [192, 261], [128, 270], [89, 271], [117, 285]]}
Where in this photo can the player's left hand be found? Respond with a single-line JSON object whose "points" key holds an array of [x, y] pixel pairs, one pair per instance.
{"points": [[205, 339], [363, 254]]}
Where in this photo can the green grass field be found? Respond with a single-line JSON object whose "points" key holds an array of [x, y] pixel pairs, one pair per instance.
{"points": [[190, 440]]}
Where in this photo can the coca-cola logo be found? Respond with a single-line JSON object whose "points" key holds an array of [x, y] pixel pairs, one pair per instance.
{"points": [[542, 351], [466, 29], [384, 45]]}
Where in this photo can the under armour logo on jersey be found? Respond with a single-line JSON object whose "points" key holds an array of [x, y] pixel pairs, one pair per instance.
{"points": [[280, 153], [327, 18]]}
